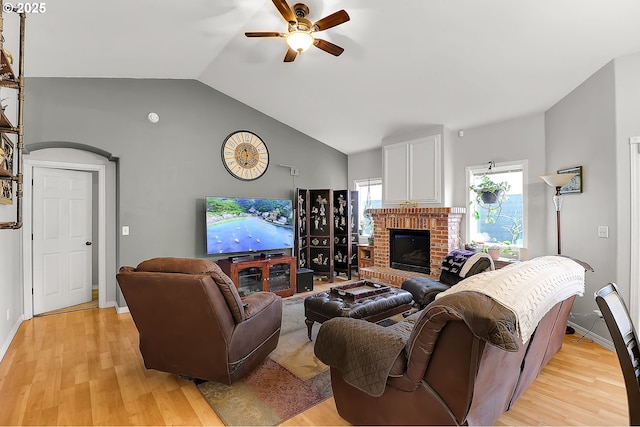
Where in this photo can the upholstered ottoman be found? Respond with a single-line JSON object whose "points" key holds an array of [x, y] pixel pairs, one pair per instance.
{"points": [[360, 300], [423, 289]]}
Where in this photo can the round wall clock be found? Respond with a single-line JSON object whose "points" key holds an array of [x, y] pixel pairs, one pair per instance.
{"points": [[245, 155]]}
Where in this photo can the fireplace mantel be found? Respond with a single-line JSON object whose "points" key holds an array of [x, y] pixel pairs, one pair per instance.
{"points": [[443, 223]]}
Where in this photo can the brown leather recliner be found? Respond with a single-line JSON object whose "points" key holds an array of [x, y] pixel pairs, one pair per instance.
{"points": [[193, 322]]}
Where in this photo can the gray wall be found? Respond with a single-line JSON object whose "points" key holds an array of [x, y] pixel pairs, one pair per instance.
{"points": [[364, 165], [581, 130], [516, 139], [166, 169]]}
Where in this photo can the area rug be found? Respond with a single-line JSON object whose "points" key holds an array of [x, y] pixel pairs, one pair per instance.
{"points": [[290, 381]]}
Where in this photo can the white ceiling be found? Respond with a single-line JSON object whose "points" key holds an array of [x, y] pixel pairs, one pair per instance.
{"points": [[407, 65]]}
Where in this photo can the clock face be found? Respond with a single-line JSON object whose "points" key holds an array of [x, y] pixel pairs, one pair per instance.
{"points": [[245, 155]]}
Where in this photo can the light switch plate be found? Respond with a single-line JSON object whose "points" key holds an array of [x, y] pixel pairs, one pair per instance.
{"points": [[603, 231], [125, 230]]}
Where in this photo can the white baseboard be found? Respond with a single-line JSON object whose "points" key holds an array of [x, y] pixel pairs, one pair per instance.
{"points": [[122, 310], [12, 334], [109, 304], [596, 338]]}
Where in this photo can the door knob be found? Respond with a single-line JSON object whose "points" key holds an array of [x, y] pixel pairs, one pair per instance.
{"points": [[87, 243]]}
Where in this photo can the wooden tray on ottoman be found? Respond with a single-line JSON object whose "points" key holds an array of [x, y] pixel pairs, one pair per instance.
{"points": [[360, 289]]}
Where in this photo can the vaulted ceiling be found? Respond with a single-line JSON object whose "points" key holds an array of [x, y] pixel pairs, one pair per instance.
{"points": [[407, 64]]}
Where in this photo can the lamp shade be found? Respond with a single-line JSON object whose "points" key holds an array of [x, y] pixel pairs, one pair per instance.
{"points": [[299, 40], [557, 179]]}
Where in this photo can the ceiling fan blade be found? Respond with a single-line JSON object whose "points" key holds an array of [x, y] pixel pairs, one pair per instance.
{"points": [[328, 47], [290, 56], [332, 20], [263, 34], [285, 10]]}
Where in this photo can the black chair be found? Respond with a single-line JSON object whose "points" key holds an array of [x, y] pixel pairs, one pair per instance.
{"points": [[616, 316]]}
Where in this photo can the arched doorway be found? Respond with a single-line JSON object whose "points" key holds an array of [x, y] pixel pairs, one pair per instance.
{"points": [[103, 166]]}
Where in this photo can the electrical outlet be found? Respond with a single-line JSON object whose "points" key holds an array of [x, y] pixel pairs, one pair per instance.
{"points": [[598, 312]]}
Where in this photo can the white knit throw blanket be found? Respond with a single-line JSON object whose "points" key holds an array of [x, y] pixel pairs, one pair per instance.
{"points": [[530, 288]]}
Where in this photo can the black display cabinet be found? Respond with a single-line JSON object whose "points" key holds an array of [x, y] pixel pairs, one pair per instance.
{"points": [[324, 231]]}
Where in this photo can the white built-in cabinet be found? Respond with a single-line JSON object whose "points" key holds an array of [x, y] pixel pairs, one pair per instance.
{"points": [[412, 171]]}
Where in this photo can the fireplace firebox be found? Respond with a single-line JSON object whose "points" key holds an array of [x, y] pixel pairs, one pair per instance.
{"points": [[409, 250]]}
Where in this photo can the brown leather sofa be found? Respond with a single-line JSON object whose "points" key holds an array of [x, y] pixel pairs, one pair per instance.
{"points": [[192, 321], [460, 361]]}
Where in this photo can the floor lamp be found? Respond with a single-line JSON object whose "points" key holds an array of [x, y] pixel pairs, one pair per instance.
{"points": [[558, 180]]}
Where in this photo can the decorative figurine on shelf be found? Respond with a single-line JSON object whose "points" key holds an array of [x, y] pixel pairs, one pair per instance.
{"points": [[301, 260], [318, 259], [341, 204]]}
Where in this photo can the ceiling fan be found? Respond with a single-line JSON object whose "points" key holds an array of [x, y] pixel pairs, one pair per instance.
{"points": [[300, 33]]}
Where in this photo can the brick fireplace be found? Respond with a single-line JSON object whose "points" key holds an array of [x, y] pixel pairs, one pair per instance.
{"points": [[443, 224]]}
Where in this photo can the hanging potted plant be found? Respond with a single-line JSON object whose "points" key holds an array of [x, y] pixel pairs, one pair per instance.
{"points": [[489, 195]]}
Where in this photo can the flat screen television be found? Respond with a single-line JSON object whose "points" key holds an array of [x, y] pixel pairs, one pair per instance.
{"points": [[237, 224]]}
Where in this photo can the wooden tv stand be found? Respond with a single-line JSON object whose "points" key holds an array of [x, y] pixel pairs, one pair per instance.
{"points": [[254, 274]]}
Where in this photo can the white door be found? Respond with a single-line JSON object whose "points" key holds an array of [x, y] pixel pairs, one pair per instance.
{"points": [[61, 238]]}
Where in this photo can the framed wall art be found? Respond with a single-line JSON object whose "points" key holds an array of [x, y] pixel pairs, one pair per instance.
{"points": [[575, 185], [6, 192], [6, 154], [6, 168]]}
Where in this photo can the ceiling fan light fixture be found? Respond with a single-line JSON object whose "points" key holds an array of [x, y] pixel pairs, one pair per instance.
{"points": [[299, 40]]}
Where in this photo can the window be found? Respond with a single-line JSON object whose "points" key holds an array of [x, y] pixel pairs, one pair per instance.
{"points": [[501, 220], [369, 196]]}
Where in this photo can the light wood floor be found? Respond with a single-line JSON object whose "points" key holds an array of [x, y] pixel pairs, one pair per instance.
{"points": [[84, 368]]}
